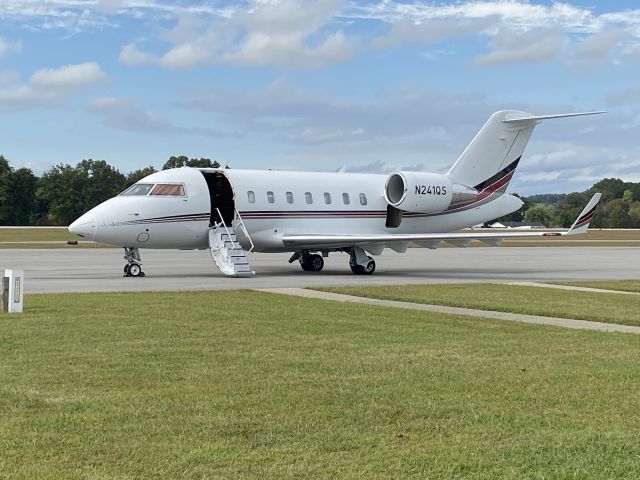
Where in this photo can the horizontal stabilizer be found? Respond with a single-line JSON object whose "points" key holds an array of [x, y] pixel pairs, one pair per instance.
{"points": [[539, 118]]}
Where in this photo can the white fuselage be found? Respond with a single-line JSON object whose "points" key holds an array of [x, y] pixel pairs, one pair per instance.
{"points": [[271, 204]]}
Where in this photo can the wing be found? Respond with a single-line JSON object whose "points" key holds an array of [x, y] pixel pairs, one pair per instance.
{"points": [[375, 243]]}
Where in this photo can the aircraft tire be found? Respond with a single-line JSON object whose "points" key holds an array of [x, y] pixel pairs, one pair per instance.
{"points": [[370, 267], [135, 270], [312, 263], [367, 269], [317, 263]]}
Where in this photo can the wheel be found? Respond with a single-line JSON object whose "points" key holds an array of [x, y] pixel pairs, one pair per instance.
{"points": [[367, 269], [126, 270], [135, 270], [305, 263], [317, 263], [370, 267], [311, 263]]}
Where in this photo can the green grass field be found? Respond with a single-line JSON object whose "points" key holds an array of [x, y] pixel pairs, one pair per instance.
{"points": [[600, 307], [622, 285], [60, 234], [250, 385], [56, 237]]}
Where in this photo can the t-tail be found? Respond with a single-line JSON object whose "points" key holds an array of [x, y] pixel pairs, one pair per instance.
{"points": [[489, 162]]}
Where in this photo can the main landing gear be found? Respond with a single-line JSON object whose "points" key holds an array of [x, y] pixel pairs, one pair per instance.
{"points": [[133, 267], [360, 263], [308, 261]]}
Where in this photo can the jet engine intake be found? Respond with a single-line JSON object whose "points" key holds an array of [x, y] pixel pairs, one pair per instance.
{"points": [[418, 191]]}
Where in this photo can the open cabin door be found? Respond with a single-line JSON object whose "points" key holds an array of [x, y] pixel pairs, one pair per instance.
{"points": [[221, 195]]}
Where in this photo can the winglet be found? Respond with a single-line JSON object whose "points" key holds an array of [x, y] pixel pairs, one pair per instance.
{"points": [[582, 222]]}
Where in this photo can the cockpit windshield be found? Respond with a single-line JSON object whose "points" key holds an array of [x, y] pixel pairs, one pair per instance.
{"points": [[157, 189], [138, 189]]}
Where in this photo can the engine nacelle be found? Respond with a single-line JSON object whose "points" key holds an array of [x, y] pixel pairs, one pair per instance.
{"points": [[419, 192]]}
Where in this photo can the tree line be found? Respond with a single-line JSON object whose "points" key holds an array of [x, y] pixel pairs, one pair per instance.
{"points": [[619, 207], [64, 192]]}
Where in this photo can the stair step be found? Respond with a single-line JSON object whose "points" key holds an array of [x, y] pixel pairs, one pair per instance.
{"points": [[228, 254], [238, 260], [241, 268]]}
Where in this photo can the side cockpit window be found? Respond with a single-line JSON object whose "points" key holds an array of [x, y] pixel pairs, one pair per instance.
{"points": [[138, 189], [168, 190]]}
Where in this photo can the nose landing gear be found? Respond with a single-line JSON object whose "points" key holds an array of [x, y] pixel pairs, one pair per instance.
{"points": [[133, 267]]}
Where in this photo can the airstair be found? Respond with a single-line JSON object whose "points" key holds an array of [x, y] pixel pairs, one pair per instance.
{"points": [[226, 251]]}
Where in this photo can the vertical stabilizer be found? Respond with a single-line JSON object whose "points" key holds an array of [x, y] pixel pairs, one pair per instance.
{"points": [[490, 160], [494, 153]]}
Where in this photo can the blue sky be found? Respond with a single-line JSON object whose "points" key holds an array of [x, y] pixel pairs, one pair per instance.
{"points": [[315, 85]]}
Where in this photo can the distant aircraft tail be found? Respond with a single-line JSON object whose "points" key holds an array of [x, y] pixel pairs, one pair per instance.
{"points": [[490, 160]]}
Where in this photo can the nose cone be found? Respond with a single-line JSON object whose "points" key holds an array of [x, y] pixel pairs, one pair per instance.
{"points": [[85, 226]]}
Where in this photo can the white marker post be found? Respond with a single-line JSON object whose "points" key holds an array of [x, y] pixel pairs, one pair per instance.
{"points": [[13, 293]]}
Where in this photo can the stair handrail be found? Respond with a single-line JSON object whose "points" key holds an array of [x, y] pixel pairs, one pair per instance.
{"points": [[226, 230], [244, 228]]}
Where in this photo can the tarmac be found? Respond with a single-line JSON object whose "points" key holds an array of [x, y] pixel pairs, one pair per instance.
{"points": [[86, 270]]}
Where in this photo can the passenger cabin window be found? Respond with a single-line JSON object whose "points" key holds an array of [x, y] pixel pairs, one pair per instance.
{"points": [[363, 199], [327, 198], [271, 197], [289, 197], [345, 199], [251, 196], [308, 198], [168, 190], [138, 189]]}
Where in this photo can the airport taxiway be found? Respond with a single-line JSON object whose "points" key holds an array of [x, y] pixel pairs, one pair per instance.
{"points": [[94, 270]]}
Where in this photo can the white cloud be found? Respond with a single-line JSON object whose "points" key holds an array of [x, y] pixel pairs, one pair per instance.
{"points": [[125, 114], [527, 47], [594, 50], [514, 14], [7, 47], [109, 6], [130, 55], [314, 33], [313, 117], [432, 30], [286, 33], [68, 76], [627, 96], [518, 31], [48, 87], [8, 79]]}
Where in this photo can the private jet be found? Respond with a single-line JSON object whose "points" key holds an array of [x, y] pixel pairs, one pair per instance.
{"points": [[312, 214]]}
